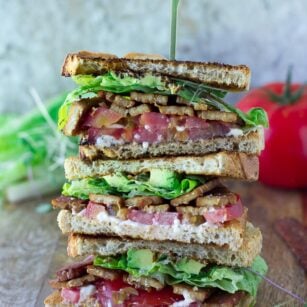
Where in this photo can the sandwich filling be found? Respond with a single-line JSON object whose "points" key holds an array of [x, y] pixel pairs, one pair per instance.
{"points": [[141, 277], [118, 109], [160, 197]]}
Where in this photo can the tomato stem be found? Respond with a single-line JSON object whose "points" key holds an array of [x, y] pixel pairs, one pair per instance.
{"points": [[288, 96]]}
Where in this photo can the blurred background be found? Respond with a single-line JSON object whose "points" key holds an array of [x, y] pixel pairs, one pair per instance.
{"points": [[267, 35]]}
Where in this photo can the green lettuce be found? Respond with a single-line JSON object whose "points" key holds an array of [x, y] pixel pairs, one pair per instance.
{"points": [[165, 270], [123, 84], [141, 185], [110, 82]]}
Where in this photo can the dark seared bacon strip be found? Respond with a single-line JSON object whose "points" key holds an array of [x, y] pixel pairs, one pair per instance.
{"points": [[220, 196], [149, 98], [142, 201], [119, 100], [74, 270], [227, 117], [107, 199], [198, 294], [103, 273], [68, 203], [199, 191], [143, 282], [295, 235]]}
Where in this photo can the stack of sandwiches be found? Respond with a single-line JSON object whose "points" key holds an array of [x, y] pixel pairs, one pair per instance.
{"points": [[146, 210]]}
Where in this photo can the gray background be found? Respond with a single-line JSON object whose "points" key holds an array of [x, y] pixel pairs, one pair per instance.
{"points": [[35, 35]]}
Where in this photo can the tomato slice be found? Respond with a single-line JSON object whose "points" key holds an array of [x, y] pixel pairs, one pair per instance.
{"points": [[93, 209], [95, 133], [153, 121], [165, 218], [102, 117], [227, 213], [164, 297], [71, 295], [159, 218], [141, 217]]}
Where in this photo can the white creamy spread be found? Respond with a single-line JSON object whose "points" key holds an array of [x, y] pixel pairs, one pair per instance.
{"points": [[186, 302], [180, 128], [107, 141], [235, 132], [86, 291], [145, 145]]}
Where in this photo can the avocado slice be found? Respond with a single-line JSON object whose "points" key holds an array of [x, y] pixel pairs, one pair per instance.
{"points": [[140, 258], [117, 180], [189, 266], [163, 179]]}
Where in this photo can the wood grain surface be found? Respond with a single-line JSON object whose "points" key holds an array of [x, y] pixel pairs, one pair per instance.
{"points": [[32, 249]]}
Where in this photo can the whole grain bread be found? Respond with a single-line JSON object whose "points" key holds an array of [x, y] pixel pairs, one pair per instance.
{"points": [[222, 164], [227, 77], [251, 142], [229, 234], [82, 245]]}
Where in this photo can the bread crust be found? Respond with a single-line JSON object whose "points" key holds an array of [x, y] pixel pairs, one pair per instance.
{"points": [[82, 245], [252, 142], [222, 164], [227, 77], [229, 234]]}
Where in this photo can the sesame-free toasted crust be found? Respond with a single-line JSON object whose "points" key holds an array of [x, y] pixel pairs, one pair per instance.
{"points": [[82, 245], [229, 233], [222, 164], [227, 77]]}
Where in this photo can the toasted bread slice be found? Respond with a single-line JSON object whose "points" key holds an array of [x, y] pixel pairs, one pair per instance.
{"points": [[223, 164], [228, 234], [227, 77], [251, 142], [82, 245]]}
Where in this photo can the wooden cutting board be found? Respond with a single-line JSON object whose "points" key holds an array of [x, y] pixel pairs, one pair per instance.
{"points": [[32, 249]]}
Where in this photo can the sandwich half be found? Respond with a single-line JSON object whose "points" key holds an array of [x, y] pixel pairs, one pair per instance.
{"points": [[140, 273], [155, 203], [146, 106]]}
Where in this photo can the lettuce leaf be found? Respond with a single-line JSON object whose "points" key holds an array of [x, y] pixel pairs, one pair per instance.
{"points": [[225, 278], [122, 84], [120, 184], [110, 82]]}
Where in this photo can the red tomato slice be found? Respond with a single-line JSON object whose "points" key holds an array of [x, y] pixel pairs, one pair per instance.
{"points": [[93, 209], [227, 213], [71, 295], [143, 135], [159, 218], [165, 218], [94, 133], [153, 121], [195, 122], [102, 117], [164, 297], [141, 217]]}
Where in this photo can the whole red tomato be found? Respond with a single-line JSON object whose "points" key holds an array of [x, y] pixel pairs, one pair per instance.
{"points": [[283, 162]]}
